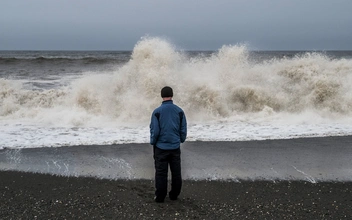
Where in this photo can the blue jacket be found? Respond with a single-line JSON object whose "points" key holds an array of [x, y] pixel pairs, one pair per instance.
{"points": [[168, 126]]}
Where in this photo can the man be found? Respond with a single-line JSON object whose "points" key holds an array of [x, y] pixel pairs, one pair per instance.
{"points": [[168, 129]]}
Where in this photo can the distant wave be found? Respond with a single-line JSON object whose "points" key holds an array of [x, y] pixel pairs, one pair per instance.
{"points": [[50, 60]]}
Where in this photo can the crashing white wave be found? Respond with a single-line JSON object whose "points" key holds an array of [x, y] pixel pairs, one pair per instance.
{"points": [[225, 92]]}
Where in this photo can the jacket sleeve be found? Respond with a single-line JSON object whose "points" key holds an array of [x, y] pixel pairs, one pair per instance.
{"points": [[183, 132], [154, 128]]}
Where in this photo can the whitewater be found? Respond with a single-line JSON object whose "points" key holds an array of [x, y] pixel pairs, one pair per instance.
{"points": [[227, 95]]}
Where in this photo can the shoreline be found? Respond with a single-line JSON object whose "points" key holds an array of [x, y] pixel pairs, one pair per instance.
{"points": [[302, 159], [44, 196]]}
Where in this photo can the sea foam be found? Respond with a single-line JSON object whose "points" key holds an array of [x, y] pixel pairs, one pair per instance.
{"points": [[217, 91]]}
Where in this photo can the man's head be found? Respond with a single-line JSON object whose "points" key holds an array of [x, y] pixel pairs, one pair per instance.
{"points": [[167, 92]]}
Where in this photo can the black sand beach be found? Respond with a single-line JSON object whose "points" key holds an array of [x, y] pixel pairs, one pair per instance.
{"points": [[44, 196], [320, 188]]}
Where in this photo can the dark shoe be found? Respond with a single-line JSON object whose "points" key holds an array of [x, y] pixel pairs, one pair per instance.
{"points": [[158, 200], [173, 197]]}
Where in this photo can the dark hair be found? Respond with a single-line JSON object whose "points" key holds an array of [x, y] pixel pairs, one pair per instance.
{"points": [[167, 92]]}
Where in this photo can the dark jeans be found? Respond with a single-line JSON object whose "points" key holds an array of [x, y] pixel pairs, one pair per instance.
{"points": [[162, 160]]}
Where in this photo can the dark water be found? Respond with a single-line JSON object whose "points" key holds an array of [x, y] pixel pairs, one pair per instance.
{"points": [[44, 64]]}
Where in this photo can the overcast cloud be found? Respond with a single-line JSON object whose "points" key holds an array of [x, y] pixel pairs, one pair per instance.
{"points": [[190, 25]]}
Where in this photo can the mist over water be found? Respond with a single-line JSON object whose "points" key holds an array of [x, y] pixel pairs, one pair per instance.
{"points": [[226, 87]]}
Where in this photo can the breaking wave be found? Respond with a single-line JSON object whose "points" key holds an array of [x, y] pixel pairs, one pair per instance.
{"points": [[226, 84]]}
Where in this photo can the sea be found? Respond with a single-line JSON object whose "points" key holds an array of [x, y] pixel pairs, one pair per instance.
{"points": [[71, 98]]}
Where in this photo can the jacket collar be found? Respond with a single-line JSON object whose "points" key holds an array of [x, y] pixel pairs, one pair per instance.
{"points": [[167, 102]]}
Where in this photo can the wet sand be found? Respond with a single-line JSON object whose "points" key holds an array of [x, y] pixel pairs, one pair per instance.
{"points": [[44, 196], [319, 159]]}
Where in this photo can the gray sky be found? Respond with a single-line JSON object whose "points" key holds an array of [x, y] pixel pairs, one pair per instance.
{"points": [[188, 24]]}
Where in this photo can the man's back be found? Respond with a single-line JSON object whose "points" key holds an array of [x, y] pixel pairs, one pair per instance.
{"points": [[168, 126]]}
